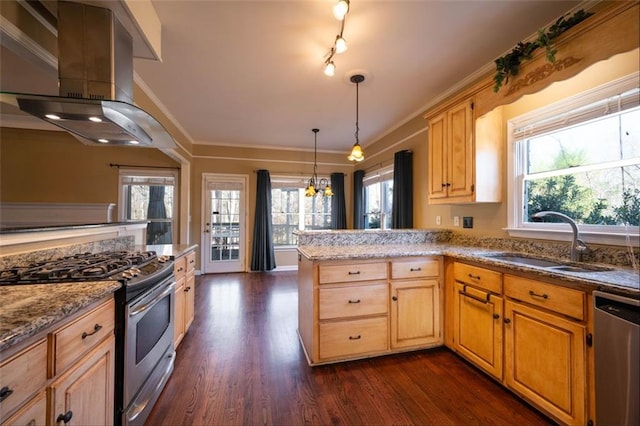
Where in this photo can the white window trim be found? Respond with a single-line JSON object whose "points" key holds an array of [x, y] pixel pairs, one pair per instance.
{"points": [[124, 172], [607, 235], [379, 175]]}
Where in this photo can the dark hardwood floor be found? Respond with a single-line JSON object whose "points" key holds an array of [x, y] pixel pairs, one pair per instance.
{"points": [[241, 364]]}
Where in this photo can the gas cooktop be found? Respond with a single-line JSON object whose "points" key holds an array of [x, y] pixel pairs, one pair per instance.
{"points": [[109, 265]]}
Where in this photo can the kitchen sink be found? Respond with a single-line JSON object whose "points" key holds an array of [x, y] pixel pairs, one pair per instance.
{"points": [[532, 261], [548, 264]]}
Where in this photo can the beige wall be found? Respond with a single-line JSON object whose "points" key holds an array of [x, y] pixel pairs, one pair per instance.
{"points": [[51, 166]]}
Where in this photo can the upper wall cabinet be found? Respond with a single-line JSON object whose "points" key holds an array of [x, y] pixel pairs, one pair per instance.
{"points": [[464, 155]]}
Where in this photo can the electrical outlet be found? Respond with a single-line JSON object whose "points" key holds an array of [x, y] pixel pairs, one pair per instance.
{"points": [[467, 222], [438, 220], [456, 221]]}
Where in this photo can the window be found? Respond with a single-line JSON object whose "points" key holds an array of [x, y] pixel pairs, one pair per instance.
{"points": [[581, 157], [291, 210], [150, 195], [378, 199]]}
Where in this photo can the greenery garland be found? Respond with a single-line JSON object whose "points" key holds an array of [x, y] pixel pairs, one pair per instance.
{"points": [[509, 64]]}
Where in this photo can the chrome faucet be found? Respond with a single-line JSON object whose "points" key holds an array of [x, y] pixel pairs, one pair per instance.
{"points": [[577, 245]]}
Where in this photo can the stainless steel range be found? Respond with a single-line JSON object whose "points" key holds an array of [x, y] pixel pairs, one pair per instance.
{"points": [[144, 318]]}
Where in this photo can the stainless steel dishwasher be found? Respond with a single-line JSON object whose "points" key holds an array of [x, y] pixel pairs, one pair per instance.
{"points": [[617, 360]]}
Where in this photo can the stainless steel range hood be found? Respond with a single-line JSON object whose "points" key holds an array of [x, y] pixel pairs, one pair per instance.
{"points": [[95, 73]]}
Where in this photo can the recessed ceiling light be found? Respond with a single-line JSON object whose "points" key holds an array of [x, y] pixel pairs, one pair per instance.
{"points": [[95, 119], [52, 117]]}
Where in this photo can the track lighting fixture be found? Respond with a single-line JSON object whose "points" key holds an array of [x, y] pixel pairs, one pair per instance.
{"points": [[316, 185], [340, 11], [356, 151]]}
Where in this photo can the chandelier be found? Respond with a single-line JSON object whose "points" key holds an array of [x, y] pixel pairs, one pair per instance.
{"points": [[316, 185], [356, 151]]}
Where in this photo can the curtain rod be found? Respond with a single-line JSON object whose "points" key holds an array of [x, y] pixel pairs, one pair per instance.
{"points": [[142, 167], [289, 174]]}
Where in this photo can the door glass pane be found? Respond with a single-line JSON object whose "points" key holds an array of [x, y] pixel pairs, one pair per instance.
{"points": [[225, 229]]}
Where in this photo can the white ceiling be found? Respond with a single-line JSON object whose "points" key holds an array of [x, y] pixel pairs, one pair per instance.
{"points": [[250, 73]]}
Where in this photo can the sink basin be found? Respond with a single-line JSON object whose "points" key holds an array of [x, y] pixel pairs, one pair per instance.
{"points": [[572, 268], [532, 261], [548, 264]]}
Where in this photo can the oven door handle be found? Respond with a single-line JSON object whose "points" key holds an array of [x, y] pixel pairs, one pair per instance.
{"points": [[145, 306]]}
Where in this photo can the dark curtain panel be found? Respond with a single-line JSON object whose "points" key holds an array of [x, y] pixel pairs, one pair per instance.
{"points": [[338, 207], [263, 256], [402, 207], [358, 199]]}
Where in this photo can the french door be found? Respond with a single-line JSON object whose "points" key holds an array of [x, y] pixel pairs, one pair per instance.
{"points": [[224, 222]]}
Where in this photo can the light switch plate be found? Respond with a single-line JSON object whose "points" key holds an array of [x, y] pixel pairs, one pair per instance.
{"points": [[456, 221]]}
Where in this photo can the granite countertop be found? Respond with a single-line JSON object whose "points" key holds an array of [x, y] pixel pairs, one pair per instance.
{"points": [[625, 281], [27, 309]]}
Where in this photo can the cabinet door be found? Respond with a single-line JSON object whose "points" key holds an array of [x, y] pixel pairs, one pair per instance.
{"points": [[84, 395], [437, 157], [478, 328], [460, 151], [545, 361], [415, 313], [190, 299], [178, 315]]}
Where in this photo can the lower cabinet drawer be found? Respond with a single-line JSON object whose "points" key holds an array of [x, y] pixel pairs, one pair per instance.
{"points": [[82, 335], [352, 301], [22, 376], [353, 337]]}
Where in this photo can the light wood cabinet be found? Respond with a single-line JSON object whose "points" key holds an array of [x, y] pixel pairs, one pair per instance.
{"points": [[23, 375], [84, 395], [530, 335], [545, 353], [478, 327], [180, 270], [464, 155], [67, 371], [346, 311], [184, 270], [477, 317], [415, 303], [190, 291]]}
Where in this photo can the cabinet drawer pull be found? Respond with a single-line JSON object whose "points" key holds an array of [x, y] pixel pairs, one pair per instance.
{"points": [[507, 320], [354, 273], [415, 269], [496, 316], [186, 290], [358, 337], [96, 328], [394, 298], [66, 417], [532, 294], [5, 392], [471, 296], [354, 301], [464, 293], [475, 277]]}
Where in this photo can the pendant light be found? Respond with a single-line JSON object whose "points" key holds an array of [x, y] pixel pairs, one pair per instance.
{"points": [[316, 186], [356, 152]]}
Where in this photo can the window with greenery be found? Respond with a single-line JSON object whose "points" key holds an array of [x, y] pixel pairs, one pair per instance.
{"points": [[291, 210], [148, 195], [378, 199], [583, 161]]}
